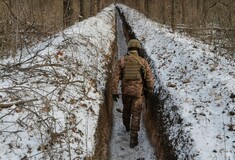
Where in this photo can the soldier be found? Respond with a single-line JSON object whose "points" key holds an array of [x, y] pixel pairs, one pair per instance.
{"points": [[136, 76]]}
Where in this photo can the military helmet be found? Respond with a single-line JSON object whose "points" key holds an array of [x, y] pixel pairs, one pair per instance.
{"points": [[134, 43]]}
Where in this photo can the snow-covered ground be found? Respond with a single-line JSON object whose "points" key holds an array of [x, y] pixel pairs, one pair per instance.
{"points": [[200, 84], [61, 98], [64, 92]]}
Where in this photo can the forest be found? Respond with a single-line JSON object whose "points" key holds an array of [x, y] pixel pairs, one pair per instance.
{"points": [[56, 64], [23, 22]]}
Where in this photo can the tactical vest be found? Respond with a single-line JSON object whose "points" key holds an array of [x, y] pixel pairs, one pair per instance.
{"points": [[133, 69]]}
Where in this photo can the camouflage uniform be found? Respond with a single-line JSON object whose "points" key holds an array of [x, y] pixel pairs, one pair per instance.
{"points": [[132, 93]]}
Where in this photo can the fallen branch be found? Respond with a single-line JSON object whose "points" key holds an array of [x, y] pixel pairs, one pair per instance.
{"points": [[13, 132], [43, 65], [7, 105]]}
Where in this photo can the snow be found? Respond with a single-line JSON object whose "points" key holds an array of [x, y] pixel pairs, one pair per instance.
{"points": [[203, 83], [69, 88], [67, 91]]}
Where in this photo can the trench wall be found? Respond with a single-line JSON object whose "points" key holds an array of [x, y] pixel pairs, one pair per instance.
{"points": [[104, 128]]}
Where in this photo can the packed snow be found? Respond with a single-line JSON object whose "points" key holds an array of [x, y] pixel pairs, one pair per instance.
{"points": [[56, 88]]}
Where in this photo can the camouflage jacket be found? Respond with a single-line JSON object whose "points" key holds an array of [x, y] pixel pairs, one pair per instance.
{"points": [[132, 88]]}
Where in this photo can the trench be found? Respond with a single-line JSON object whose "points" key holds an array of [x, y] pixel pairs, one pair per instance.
{"points": [[153, 117], [120, 139], [153, 114]]}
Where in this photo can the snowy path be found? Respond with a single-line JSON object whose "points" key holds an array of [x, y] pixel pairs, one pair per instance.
{"points": [[120, 140]]}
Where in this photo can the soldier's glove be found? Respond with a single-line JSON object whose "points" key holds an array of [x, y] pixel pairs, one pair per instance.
{"points": [[115, 97]]}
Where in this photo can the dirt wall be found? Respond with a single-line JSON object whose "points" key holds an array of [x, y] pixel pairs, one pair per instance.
{"points": [[156, 128], [104, 129]]}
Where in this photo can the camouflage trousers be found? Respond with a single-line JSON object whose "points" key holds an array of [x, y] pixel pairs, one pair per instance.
{"points": [[132, 114]]}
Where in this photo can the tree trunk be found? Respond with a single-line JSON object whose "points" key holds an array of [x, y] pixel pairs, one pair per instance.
{"points": [[183, 11], [67, 12], [81, 10], [198, 19], [93, 7], [98, 6], [164, 12], [230, 10], [173, 15], [204, 13], [147, 7]]}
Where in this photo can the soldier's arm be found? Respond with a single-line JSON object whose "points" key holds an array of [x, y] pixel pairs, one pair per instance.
{"points": [[116, 77]]}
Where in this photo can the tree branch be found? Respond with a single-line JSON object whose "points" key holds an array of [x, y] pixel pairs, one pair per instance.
{"points": [[7, 105]]}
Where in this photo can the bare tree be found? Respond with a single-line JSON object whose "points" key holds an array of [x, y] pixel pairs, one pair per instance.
{"points": [[98, 6], [173, 14], [82, 10], [67, 12], [147, 4], [164, 12], [33, 20], [93, 7], [204, 6], [183, 7]]}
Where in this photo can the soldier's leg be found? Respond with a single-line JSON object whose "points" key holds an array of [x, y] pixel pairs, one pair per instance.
{"points": [[126, 115], [135, 120]]}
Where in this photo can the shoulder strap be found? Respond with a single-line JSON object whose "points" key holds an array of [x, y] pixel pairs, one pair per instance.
{"points": [[137, 59]]}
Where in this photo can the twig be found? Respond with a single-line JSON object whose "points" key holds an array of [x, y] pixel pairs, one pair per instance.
{"points": [[13, 132], [7, 105], [43, 65], [7, 114], [225, 146], [10, 10]]}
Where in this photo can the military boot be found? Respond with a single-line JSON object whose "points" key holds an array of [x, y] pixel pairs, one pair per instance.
{"points": [[127, 128], [134, 140], [133, 143]]}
